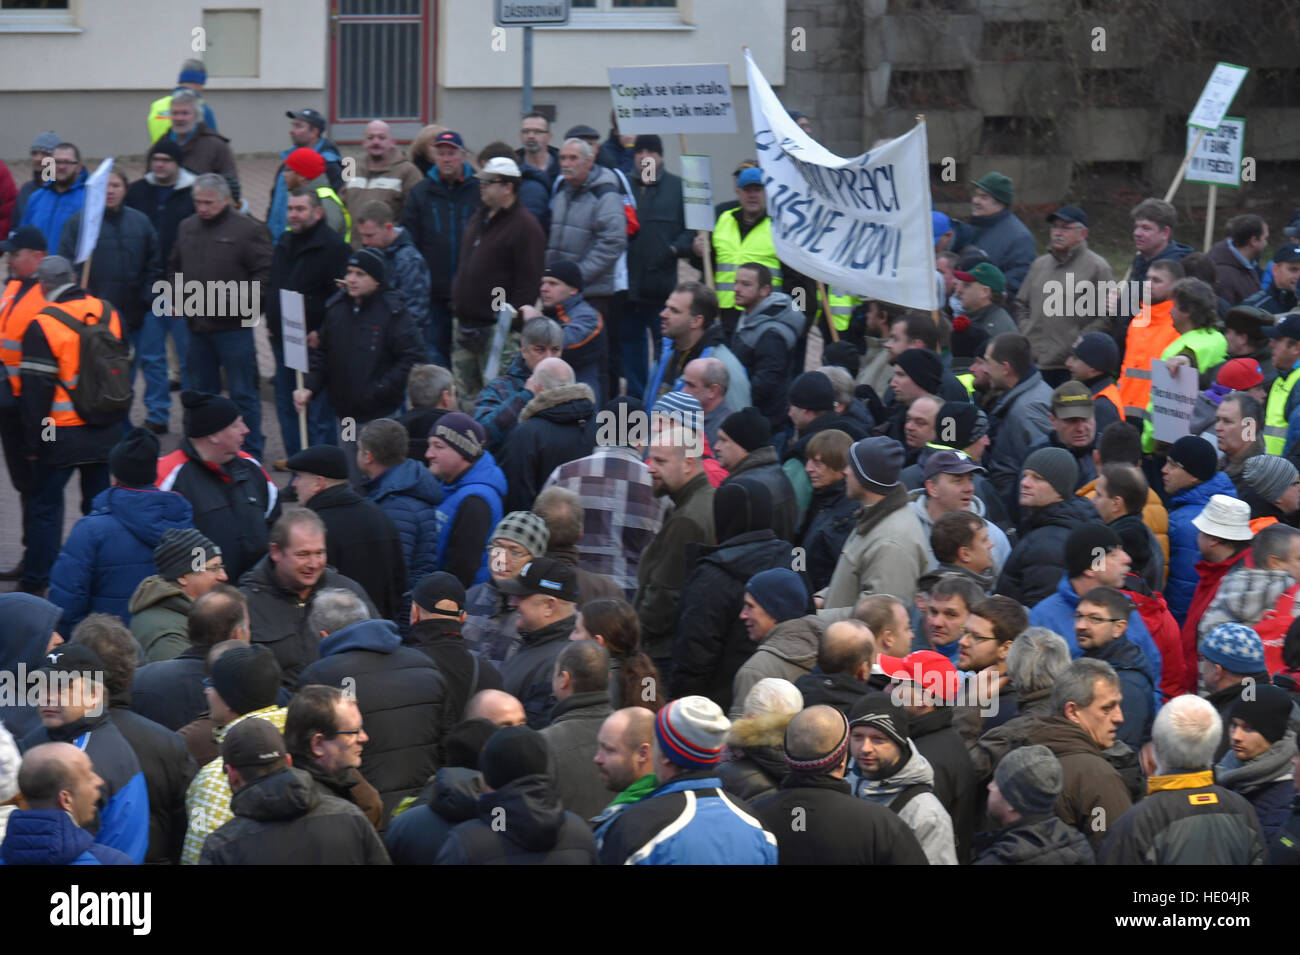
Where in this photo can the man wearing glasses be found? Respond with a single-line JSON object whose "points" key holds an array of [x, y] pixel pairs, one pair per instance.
{"points": [[1100, 622], [60, 198], [1052, 306], [986, 637]]}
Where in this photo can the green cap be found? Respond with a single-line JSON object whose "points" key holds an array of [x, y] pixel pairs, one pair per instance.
{"points": [[986, 273]]}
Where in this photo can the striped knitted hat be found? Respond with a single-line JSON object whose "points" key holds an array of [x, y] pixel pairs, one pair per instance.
{"points": [[526, 529], [818, 764], [692, 732], [683, 408]]}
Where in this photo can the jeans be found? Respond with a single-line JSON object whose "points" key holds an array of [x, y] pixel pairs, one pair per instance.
{"points": [[640, 325], [45, 515], [211, 353], [320, 416], [150, 344]]}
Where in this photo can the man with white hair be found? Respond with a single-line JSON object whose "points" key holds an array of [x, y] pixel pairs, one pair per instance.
{"points": [[707, 379], [1186, 819], [552, 430]]}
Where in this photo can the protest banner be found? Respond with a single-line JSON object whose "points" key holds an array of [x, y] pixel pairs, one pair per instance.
{"points": [[697, 192], [92, 215], [1210, 109], [682, 98], [1216, 161], [293, 329], [863, 224], [1173, 395]]}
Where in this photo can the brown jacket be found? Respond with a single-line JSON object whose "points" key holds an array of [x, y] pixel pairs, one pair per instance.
{"points": [[389, 181], [504, 251], [1052, 319], [1093, 796], [230, 248], [209, 151]]}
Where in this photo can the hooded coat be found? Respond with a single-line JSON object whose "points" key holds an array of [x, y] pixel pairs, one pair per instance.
{"points": [[166, 212], [1183, 552], [416, 835], [1037, 562], [788, 652], [29, 623], [1008, 243], [1141, 696], [539, 830], [753, 763], [466, 673], [924, 813], [160, 614], [1092, 788], [997, 536], [168, 768], [829, 522], [283, 818], [170, 692], [551, 432], [763, 342], [589, 229], [362, 542], [1035, 840], [126, 260], [403, 700], [50, 837], [409, 495], [762, 467], [575, 724], [1018, 421], [954, 775]]}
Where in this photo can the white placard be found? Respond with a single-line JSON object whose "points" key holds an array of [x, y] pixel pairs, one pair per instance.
{"points": [[92, 211], [697, 192], [293, 330], [1217, 160], [1173, 395], [1217, 96], [863, 224], [687, 98]]}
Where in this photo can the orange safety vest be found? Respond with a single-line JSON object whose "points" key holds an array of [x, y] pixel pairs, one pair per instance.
{"points": [[1111, 392], [1150, 333], [65, 345], [16, 313]]}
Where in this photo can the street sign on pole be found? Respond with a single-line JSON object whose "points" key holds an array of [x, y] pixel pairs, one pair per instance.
{"points": [[530, 13]]}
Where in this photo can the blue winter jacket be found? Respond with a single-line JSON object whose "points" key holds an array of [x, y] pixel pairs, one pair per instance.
{"points": [[48, 210], [1056, 613], [1009, 245], [50, 837], [1140, 699], [110, 550], [1183, 552], [123, 821], [688, 820], [484, 479], [500, 402], [409, 495], [738, 390]]}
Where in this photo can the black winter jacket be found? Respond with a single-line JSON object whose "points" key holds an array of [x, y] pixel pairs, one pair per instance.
{"points": [[167, 213], [954, 774], [435, 215], [170, 692], [754, 775], [464, 672], [840, 690], [527, 675], [403, 700], [838, 829], [415, 836], [367, 350], [797, 446], [1038, 559], [663, 238], [762, 467], [278, 617], [284, 819], [711, 642], [1171, 826], [552, 430], [830, 520], [537, 830], [126, 260], [361, 541], [1034, 840], [306, 262], [168, 768]]}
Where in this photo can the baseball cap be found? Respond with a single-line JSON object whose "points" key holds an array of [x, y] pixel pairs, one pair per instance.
{"points": [[1073, 400], [939, 224], [930, 670], [753, 176], [72, 658], [308, 116], [1288, 326], [24, 237], [500, 166], [552, 578], [1069, 214], [447, 136], [950, 461], [986, 273], [252, 742], [581, 131], [1287, 253]]}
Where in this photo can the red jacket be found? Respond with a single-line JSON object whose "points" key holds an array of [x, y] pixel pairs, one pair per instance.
{"points": [[1164, 631], [1211, 574]]}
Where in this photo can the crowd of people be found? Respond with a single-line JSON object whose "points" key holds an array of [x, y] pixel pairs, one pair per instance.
{"points": [[584, 561]]}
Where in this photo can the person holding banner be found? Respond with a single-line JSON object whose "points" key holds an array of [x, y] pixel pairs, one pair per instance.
{"points": [[1198, 344], [743, 234]]}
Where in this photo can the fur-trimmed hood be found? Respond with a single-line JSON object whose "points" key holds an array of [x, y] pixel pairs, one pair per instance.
{"points": [[566, 404], [753, 731]]}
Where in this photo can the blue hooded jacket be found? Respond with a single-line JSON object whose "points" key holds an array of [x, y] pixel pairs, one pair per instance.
{"points": [[48, 210], [409, 494], [484, 479], [50, 837], [123, 822], [1183, 552], [110, 551], [1056, 613], [28, 623]]}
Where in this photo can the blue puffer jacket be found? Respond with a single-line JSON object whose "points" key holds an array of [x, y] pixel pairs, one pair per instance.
{"points": [[1056, 613], [409, 494], [484, 479], [1183, 553], [688, 820], [48, 210], [110, 551], [50, 837]]}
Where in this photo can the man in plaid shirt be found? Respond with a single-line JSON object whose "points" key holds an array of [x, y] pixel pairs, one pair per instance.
{"points": [[621, 514]]}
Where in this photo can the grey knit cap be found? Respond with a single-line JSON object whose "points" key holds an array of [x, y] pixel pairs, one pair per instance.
{"points": [[1270, 475], [526, 529], [181, 551], [1057, 467], [1030, 780]]}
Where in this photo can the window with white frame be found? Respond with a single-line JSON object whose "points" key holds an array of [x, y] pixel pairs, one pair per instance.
{"points": [[37, 16]]}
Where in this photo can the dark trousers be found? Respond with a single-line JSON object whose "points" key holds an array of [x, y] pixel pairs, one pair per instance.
{"points": [[637, 332], [607, 306], [235, 353], [45, 515], [21, 471]]}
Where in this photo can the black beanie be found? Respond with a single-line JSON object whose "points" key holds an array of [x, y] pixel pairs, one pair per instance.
{"points": [[465, 741], [1267, 714], [739, 507], [372, 262], [247, 678], [567, 272], [845, 354], [878, 710], [207, 414], [748, 428], [166, 147], [134, 459], [512, 753], [812, 391], [968, 424], [1081, 547], [923, 366], [1194, 455]]}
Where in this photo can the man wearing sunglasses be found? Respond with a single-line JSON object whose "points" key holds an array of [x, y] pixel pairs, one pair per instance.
{"points": [[1100, 623]]}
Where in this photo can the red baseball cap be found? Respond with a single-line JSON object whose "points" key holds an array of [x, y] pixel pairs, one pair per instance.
{"points": [[306, 162], [1240, 374], [930, 670]]}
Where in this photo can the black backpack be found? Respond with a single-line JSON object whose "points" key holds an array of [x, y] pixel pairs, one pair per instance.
{"points": [[103, 393]]}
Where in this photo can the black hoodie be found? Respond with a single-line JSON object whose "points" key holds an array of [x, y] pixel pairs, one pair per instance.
{"points": [[537, 830], [1038, 559], [29, 622]]}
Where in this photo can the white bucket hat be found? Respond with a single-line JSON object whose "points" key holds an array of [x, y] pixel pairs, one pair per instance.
{"points": [[1226, 518]]}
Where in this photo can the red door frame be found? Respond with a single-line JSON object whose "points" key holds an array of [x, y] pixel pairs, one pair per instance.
{"points": [[352, 131]]}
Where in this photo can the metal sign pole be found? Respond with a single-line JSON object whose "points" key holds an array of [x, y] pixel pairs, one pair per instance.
{"points": [[528, 70]]}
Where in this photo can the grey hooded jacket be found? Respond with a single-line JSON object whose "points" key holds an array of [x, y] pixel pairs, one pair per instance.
{"points": [[589, 228], [924, 814], [1021, 422]]}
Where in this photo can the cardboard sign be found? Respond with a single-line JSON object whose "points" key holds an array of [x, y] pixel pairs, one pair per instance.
{"points": [[1217, 160], [697, 192], [1217, 96], [1173, 396], [690, 98], [293, 330]]}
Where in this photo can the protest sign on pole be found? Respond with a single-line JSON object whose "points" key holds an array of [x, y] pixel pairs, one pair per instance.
{"points": [[1173, 395], [1216, 161], [682, 98], [863, 224], [293, 329], [1210, 109], [92, 212], [697, 192]]}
